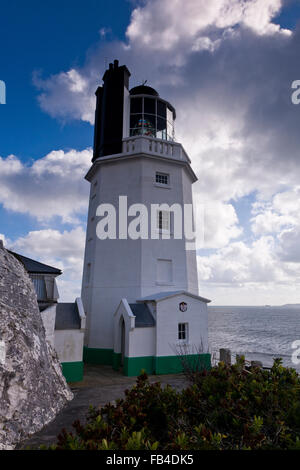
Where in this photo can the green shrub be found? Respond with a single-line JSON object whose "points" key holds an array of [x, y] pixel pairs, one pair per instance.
{"points": [[224, 408]]}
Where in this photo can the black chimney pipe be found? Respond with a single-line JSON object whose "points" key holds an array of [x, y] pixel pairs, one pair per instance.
{"points": [[109, 114]]}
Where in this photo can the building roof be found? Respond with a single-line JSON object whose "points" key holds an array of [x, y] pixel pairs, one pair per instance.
{"points": [[143, 90], [67, 317], [143, 316], [35, 267], [165, 295]]}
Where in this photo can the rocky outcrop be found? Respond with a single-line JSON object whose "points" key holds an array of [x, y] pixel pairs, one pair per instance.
{"points": [[32, 387]]}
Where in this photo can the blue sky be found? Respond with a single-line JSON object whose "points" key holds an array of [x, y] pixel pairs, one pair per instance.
{"points": [[227, 68], [46, 37]]}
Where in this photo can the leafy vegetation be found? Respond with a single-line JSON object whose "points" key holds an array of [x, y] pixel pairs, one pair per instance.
{"points": [[227, 407]]}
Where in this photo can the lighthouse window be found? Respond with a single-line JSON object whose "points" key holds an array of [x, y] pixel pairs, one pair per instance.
{"points": [[182, 331], [142, 125], [162, 178], [161, 109], [136, 105], [163, 220], [161, 128], [149, 125], [149, 106], [151, 117]]}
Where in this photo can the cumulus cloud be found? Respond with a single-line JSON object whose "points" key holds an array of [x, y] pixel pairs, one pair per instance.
{"points": [[251, 274], [220, 223], [270, 222], [51, 186], [239, 264], [280, 216], [3, 238], [160, 25], [67, 94], [289, 249]]}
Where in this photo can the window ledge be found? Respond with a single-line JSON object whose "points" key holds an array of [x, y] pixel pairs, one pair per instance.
{"points": [[165, 186], [161, 283], [163, 232]]}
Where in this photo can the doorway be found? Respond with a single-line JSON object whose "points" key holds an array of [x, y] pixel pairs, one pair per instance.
{"points": [[122, 342]]}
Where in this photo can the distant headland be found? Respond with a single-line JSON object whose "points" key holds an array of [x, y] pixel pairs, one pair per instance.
{"points": [[291, 306]]}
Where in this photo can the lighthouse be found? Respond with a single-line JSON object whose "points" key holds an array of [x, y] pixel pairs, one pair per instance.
{"points": [[140, 284]]}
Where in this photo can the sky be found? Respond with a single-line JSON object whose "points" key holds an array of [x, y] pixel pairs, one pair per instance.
{"points": [[226, 65]]}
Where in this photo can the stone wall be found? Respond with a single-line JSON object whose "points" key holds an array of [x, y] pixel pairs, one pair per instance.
{"points": [[32, 387]]}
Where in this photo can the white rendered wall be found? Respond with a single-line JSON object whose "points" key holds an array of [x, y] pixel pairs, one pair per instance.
{"points": [[48, 317], [168, 316], [69, 345], [142, 342]]}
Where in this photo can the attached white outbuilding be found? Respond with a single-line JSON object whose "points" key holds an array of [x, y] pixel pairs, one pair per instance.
{"points": [[161, 333], [64, 325]]}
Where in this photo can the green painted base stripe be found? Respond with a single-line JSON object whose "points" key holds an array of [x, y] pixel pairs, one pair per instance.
{"points": [[152, 365], [97, 356], [116, 362], [177, 364], [133, 366], [73, 371], [166, 364]]}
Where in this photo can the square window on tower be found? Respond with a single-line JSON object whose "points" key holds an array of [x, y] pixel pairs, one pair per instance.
{"points": [[162, 178]]}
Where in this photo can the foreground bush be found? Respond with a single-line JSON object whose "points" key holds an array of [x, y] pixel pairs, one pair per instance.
{"points": [[225, 408]]}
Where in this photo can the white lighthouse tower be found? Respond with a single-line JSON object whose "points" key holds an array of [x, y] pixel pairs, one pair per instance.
{"points": [[140, 284]]}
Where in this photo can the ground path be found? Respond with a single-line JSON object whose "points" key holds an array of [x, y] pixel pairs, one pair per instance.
{"points": [[101, 385]]}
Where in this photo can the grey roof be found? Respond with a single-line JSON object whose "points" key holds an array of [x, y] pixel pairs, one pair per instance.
{"points": [[164, 295], [35, 267], [67, 317], [143, 316]]}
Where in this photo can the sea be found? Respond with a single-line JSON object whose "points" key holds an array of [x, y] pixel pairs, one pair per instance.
{"points": [[259, 333]]}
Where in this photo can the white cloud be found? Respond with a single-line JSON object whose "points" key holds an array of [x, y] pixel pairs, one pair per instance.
{"points": [[289, 249], [220, 223], [67, 93], [252, 274], [288, 202], [270, 222], [51, 186], [240, 264], [3, 238], [159, 25]]}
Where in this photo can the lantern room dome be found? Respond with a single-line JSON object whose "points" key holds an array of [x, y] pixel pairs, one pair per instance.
{"points": [[143, 90]]}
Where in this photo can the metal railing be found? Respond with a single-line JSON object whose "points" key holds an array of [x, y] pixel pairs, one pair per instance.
{"points": [[143, 144]]}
